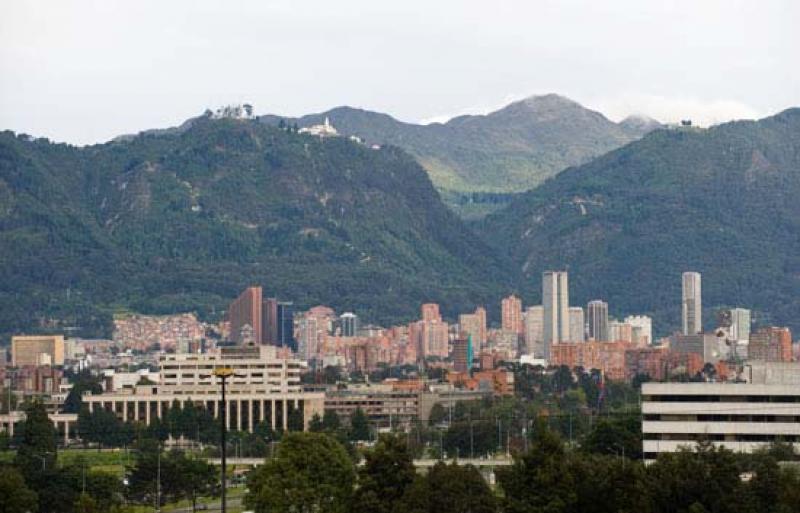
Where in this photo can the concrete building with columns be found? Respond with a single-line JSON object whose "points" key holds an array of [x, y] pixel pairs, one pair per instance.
{"points": [[66, 424], [264, 388]]}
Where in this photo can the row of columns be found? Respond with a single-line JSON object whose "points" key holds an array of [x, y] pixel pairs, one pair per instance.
{"points": [[8, 426], [274, 404]]}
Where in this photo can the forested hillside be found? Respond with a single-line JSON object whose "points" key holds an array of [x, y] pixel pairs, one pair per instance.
{"points": [[184, 220], [722, 201]]}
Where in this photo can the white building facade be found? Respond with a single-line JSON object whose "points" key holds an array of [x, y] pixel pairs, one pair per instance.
{"points": [[741, 417]]}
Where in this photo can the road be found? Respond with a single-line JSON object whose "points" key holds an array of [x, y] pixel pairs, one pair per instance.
{"points": [[419, 463], [234, 504]]}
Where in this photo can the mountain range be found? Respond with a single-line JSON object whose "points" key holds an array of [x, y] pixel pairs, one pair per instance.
{"points": [[722, 201], [510, 150], [183, 219]]}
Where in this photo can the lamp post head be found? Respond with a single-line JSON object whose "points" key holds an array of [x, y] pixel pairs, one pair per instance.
{"points": [[223, 372]]}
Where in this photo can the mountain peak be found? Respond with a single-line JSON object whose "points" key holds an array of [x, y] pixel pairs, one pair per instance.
{"points": [[550, 100]]}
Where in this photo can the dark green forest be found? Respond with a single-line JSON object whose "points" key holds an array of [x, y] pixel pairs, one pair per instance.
{"points": [[184, 221]]}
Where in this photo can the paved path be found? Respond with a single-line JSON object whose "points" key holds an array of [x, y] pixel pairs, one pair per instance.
{"points": [[422, 463]]}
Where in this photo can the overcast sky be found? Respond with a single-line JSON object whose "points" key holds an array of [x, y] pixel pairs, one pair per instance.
{"points": [[83, 72]]}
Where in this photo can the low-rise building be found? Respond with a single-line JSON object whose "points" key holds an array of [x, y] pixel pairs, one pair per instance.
{"points": [[742, 416], [263, 388]]}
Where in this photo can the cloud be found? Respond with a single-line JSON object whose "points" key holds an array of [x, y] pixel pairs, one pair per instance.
{"points": [[673, 109]]}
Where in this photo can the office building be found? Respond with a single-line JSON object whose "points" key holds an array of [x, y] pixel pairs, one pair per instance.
{"points": [[269, 319], [770, 345], [35, 350], [692, 303], [474, 325], [577, 325], [534, 331], [430, 312], [742, 417], [555, 301], [286, 325], [620, 331], [462, 354], [349, 322], [597, 312], [264, 388], [511, 313], [246, 311], [707, 345], [739, 324], [641, 329], [430, 336]]}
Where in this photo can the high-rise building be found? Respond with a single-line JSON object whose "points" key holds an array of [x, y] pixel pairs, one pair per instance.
{"points": [[285, 311], [511, 310], [692, 304], [597, 311], [269, 319], [349, 322], [245, 310], [37, 350], [770, 345], [577, 325], [555, 300], [534, 331], [641, 329], [740, 324], [620, 331], [430, 312], [474, 325], [462, 354]]}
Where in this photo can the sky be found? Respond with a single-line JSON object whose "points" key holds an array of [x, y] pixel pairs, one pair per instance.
{"points": [[86, 71]]}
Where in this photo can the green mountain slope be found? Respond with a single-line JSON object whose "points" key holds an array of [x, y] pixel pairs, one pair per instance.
{"points": [[184, 220], [722, 201], [510, 150]]}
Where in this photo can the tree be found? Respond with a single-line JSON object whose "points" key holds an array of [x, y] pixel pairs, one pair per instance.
{"points": [[315, 424], [196, 478], [438, 414], [606, 484], [83, 382], [471, 438], [448, 489], [15, 496], [359, 426], [615, 437], [37, 446], [85, 504], [707, 478], [538, 480], [311, 472], [330, 421], [387, 472], [295, 420]]}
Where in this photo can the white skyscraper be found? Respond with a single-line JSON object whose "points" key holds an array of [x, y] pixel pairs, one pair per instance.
{"points": [[740, 324], [577, 325], [597, 313], [692, 304], [534, 331], [555, 301]]}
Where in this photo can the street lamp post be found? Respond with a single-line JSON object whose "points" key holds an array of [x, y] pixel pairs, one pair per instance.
{"points": [[223, 374]]}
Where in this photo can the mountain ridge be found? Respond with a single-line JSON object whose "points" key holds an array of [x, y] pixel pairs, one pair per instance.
{"points": [[508, 150], [183, 220], [718, 200]]}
